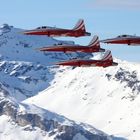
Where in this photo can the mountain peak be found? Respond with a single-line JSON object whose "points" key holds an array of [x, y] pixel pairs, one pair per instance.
{"points": [[4, 28]]}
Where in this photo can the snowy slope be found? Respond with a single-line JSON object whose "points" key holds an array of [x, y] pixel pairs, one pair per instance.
{"points": [[107, 98], [26, 121]]}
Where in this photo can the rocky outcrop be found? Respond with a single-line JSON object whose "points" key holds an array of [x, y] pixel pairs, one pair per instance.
{"points": [[31, 116], [129, 79], [5, 28]]}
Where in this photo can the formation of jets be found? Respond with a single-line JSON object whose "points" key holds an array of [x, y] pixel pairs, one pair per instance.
{"points": [[94, 46]]}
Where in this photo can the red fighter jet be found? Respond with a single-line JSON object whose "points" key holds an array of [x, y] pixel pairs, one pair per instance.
{"points": [[106, 61], [77, 31], [94, 46], [124, 39]]}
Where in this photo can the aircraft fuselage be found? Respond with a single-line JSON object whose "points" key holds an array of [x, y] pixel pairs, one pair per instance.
{"points": [[75, 48], [88, 63], [57, 32], [125, 40]]}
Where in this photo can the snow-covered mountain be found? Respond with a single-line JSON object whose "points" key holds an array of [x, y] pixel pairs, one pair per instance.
{"points": [[35, 95], [24, 72], [107, 98], [25, 121]]}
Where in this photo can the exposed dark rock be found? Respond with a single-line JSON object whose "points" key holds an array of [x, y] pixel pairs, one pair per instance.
{"points": [[52, 125], [5, 28], [130, 80]]}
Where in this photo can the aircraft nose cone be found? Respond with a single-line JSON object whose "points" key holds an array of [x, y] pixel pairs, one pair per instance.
{"points": [[104, 41], [107, 41], [22, 32], [29, 32], [60, 63], [42, 49], [25, 32]]}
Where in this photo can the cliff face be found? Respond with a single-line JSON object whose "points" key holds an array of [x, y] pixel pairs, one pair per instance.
{"points": [[30, 118]]}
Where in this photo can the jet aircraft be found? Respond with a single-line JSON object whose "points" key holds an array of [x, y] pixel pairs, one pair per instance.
{"points": [[78, 31], [106, 61], [124, 39], [94, 46]]}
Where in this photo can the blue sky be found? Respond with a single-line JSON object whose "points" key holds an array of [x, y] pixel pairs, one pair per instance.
{"points": [[106, 18]]}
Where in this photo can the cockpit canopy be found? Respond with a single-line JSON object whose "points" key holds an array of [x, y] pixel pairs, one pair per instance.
{"points": [[46, 27], [120, 36], [123, 35]]}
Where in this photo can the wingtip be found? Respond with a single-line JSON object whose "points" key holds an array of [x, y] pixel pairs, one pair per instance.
{"points": [[37, 49], [57, 64]]}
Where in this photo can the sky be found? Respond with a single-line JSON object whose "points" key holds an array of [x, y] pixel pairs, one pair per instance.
{"points": [[105, 18]]}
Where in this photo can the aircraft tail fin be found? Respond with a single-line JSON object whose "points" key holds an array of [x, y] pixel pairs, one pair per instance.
{"points": [[108, 56], [80, 25], [94, 42]]}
